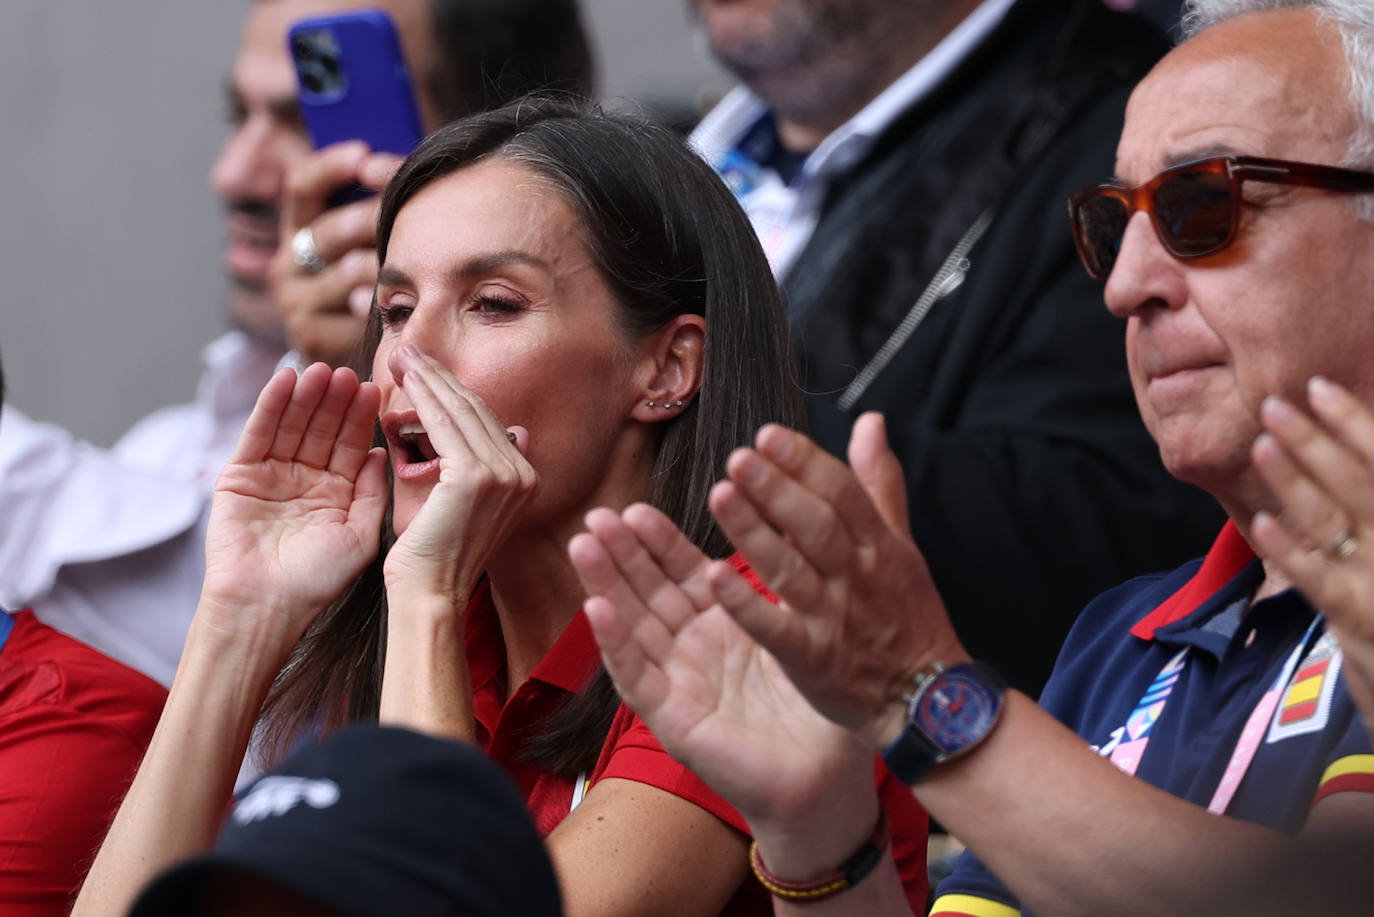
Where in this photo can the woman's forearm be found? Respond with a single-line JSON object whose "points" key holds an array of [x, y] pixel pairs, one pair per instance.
{"points": [[426, 685], [178, 798]]}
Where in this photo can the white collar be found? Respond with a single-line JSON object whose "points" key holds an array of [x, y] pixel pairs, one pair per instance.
{"points": [[236, 369], [740, 110]]}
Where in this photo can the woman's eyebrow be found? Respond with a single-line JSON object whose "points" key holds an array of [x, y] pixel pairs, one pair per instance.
{"points": [[485, 264], [475, 267], [392, 277]]}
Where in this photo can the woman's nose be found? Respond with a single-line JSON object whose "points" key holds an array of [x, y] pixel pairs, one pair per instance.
{"points": [[401, 358]]}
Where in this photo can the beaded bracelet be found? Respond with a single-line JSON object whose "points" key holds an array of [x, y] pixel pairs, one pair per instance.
{"points": [[851, 871]]}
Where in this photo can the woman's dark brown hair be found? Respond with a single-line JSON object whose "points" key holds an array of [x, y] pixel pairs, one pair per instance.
{"points": [[669, 239]]}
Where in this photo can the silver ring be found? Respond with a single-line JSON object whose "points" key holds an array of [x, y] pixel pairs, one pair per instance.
{"points": [[304, 253], [1345, 547]]}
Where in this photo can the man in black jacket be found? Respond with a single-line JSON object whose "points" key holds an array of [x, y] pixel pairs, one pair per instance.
{"points": [[906, 163]]}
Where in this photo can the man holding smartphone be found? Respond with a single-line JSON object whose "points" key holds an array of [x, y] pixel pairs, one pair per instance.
{"points": [[323, 273], [107, 545]]}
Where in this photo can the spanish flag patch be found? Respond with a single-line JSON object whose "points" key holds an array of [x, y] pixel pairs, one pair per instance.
{"points": [[1306, 701]]}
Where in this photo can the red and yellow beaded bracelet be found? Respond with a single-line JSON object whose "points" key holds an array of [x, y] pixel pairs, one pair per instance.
{"points": [[849, 874]]}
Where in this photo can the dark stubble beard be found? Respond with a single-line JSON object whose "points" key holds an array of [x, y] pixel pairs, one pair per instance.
{"points": [[810, 60], [252, 309]]}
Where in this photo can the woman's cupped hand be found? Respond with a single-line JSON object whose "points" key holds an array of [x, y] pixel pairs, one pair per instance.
{"points": [[484, 483], [296, 513]]}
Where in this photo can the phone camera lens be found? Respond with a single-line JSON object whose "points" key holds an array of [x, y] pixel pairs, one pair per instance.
{"points": [[318, 62]]}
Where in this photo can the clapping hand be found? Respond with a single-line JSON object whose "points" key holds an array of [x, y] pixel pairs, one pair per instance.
{"points": [[860, 615], [1320, 468], [716, 700], [296, 513]]}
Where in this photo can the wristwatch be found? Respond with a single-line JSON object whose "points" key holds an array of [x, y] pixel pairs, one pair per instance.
{"points": [[949, 711]]}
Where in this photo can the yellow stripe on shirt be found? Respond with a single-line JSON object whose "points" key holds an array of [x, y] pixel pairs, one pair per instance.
{"points": [[1350, 764], [971, 906]]}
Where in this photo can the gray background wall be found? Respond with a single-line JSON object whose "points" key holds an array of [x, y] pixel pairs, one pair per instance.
{"points": [[110, 115]]}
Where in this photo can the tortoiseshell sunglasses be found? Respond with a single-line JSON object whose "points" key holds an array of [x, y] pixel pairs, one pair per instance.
{"points": [[1195, 207]]}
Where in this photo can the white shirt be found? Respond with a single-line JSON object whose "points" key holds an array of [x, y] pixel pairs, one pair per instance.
{"points": [[108, 546], [784, 216]]}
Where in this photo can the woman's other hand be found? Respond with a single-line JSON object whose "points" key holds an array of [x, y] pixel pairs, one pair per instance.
{"points": [[484, 482], [1320, 469], [296, 513], [716, 700], [860, 614]]}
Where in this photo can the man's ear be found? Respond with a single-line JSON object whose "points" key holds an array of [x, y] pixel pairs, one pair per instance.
{"points": [[672, 368]]}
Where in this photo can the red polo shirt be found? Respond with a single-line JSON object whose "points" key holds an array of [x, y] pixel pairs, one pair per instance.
{"points": [[630, 752]]}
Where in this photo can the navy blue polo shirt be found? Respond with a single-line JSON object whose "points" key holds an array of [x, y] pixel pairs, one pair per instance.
{"points": [[1118, 655]]}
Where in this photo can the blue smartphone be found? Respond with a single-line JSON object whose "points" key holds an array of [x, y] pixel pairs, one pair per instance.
{"points": [[353, 84]]}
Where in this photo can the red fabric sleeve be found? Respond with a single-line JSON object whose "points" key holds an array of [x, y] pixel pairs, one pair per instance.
{"points": [[73, 726], [632, 753]]}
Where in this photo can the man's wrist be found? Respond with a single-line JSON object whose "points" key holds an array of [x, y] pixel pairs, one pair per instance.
{"points": [[896, 714], [951, 710]]}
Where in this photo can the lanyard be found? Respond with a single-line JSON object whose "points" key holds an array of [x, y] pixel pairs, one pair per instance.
{"points": [[1128, 752], [579, 790]]}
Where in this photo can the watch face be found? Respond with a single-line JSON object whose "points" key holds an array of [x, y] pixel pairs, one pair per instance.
{"points": [[957, 710]]}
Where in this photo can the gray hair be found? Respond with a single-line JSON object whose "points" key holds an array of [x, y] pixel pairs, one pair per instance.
{"points": [[1354, 20]]}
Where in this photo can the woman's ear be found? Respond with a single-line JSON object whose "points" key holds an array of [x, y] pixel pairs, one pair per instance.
{"points": [[672, 369]]}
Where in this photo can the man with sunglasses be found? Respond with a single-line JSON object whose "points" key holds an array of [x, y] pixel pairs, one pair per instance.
{"points": [[1239, 247]]}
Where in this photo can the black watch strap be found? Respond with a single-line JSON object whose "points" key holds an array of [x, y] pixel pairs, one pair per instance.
{"points": [[912, 755]]}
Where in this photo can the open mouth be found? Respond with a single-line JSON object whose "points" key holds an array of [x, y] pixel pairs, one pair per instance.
{"points": [[413, 445]]}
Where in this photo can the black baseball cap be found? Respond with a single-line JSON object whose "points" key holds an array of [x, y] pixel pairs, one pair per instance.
{"points": [[375, 821]]}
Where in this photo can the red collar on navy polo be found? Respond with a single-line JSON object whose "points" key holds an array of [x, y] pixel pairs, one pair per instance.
{"points": [[1229, 554]]}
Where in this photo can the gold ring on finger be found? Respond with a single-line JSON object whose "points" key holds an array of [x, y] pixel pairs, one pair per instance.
{"points": [[1345, 546]]}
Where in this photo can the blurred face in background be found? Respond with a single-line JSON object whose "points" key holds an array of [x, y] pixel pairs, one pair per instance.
{"points": [[753, 37], [267, 138], [818, 60]]}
